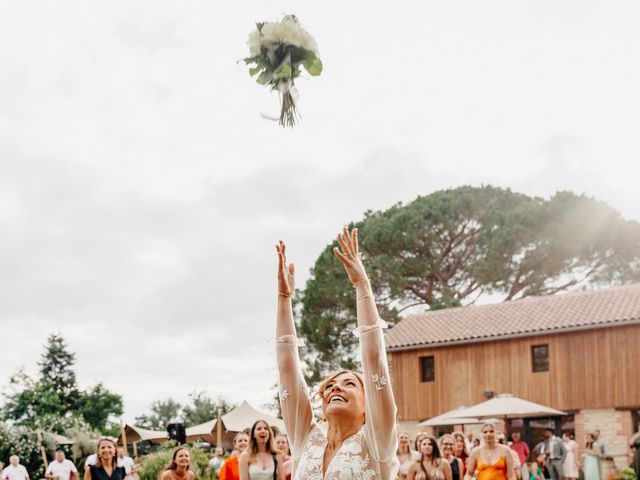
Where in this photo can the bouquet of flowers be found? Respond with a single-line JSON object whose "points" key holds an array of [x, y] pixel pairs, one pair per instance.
{"points": [[277, 52]]}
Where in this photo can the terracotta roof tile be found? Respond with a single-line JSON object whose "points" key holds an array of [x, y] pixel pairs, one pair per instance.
{"points": [[529, 316]]}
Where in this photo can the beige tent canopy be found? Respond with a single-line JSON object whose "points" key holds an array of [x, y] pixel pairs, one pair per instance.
{"points": [[136, 434], [241, 417]]}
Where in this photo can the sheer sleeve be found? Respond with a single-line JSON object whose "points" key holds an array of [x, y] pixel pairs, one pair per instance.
{"points": [[380, 405], [294, 398]]}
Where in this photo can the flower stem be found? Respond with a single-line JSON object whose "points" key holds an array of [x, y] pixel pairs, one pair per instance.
{"points": [[288, 114]]}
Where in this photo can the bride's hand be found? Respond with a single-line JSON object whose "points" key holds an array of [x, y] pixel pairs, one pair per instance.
{"points": [[286, 273], [349, 255]]}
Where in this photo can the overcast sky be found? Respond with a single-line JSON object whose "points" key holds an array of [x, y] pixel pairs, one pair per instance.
{"points": [[141, 192]]}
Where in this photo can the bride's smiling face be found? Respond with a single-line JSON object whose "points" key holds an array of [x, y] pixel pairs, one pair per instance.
{"points": [[343, 395]]}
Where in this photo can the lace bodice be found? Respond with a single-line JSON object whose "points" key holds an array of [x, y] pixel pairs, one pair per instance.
{"points": [[370, 454], [352, 461]]}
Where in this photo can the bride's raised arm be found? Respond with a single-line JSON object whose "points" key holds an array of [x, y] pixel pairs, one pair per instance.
{"points": [[380, 405], [294, 398]]}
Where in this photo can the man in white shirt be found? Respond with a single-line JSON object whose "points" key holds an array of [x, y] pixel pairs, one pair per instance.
{"points": [[61, 468], [468, 442], [15, 471], [126, 462], [91, 460]]}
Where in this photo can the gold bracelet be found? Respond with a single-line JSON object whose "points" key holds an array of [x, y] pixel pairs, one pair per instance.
{"points": [[355, 285], [363, 297], [286, 295]]}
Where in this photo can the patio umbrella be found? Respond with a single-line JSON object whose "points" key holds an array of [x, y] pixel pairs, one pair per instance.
{"points": [[445, 418], [507, 406], [441, 422]]}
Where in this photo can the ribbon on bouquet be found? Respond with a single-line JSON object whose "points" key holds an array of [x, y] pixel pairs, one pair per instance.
{"points": [[287, 87], [284, 88]]}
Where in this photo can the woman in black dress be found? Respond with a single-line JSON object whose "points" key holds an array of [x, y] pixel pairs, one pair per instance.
{"points": [[447, 445], [106, 466]]}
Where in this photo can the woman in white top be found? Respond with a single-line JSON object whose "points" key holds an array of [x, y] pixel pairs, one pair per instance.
{"points": [[260, 460], [360, 439], [404, 455]]}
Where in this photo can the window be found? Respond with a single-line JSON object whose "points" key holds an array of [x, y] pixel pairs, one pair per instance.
{"points": [[540, 358], [427, 369]]}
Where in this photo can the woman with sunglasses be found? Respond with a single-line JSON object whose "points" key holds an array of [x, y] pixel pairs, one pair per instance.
{"points": [[447, 445]]}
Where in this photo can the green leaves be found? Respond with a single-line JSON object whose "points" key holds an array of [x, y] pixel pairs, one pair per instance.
{"points": [[312, 64], [282, 63]]}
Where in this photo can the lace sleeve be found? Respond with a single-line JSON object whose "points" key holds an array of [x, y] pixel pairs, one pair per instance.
{"points": [[294, 398], [380, 405]]}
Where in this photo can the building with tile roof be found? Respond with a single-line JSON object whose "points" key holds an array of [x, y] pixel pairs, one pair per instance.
{"points": [[577, 352]]}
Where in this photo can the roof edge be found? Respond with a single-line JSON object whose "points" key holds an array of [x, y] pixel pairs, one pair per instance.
{"points": [[493, 338]]}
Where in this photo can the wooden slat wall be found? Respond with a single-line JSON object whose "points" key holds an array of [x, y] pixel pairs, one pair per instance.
{"points": [[587, 369]]}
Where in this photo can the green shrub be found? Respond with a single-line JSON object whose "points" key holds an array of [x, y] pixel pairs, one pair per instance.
{"points": [[625, 474], [22, 442], [152, 465]]}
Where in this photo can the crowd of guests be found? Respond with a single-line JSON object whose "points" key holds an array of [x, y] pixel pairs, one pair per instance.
{"points": [[262, 453], [459, 457], [259, 453], [108, 463]]}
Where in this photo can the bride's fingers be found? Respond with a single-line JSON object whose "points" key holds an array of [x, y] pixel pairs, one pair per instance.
{"points": [[347, 240], [342, 243], [292, 269], [341, 257], [354, 241]]}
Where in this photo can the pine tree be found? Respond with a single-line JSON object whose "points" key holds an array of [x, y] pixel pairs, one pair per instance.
{"points": [[56, 372]]}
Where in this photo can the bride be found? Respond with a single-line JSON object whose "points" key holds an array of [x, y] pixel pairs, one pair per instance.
{"points": [[360, 439]]}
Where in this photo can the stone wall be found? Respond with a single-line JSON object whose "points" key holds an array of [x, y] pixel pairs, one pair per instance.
{"points": [[615, 429]]}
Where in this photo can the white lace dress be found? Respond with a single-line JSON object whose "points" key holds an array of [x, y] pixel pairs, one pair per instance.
{"points": [[370, 454]]}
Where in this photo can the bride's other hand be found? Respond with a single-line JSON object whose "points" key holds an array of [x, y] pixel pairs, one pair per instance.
{"points": [[349, 255], [286, 273]]}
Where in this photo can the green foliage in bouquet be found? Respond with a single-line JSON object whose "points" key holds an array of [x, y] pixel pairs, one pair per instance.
{"points": [[278, 52]]}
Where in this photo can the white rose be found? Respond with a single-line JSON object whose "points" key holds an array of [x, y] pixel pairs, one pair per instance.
{"points": [[270, 32], [254, 43]]}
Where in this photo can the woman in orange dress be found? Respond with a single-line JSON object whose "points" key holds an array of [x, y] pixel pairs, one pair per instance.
{"points": [[230, 469], [491, 461]]}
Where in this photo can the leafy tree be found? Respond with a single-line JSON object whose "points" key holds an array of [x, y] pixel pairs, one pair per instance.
{"points": [[453, 246], [97, 404], [203, 408], [163, 412]]}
